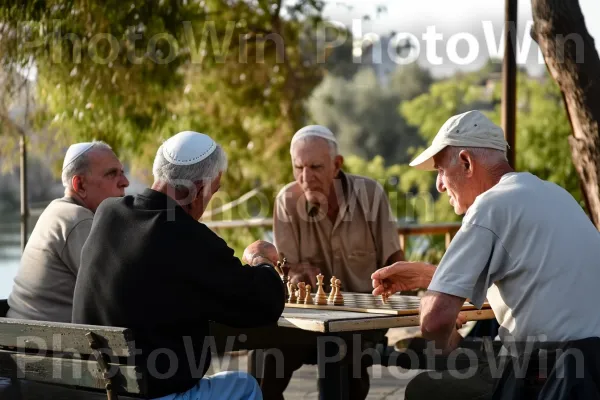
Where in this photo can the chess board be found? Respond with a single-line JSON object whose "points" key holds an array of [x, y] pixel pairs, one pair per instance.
{"points": [[367, 303]]}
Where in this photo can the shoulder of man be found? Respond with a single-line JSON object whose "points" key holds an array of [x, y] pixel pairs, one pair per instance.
{"points": [[113, 203], [495, 205], [67, 212], [359, 182], [289, 194]]}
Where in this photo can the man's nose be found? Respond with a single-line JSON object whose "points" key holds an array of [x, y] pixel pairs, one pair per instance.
{"points": [[306, 174], [124, 181], [440, 184]]}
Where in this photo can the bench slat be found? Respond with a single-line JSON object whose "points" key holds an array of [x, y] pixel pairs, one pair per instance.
{"points": [[56, 336], [70, 372]]}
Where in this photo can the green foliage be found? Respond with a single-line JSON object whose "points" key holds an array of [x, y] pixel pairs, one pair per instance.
{"points": [[363, 114], [236, 70]]}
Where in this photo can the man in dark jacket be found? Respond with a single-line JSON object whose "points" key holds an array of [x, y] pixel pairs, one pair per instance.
{"points": [[150, 266]]}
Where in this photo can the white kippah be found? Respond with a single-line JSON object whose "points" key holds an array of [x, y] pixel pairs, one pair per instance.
{"points": [[314, 130], [74, 151], [188, 148]]}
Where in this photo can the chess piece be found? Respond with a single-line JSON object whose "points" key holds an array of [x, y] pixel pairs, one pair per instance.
{"points": [[338, 299], [284, 279], [332, 292], [308, 299], [321, 297], [285, 269], [292, 289], [384, 297], [301, 292]]}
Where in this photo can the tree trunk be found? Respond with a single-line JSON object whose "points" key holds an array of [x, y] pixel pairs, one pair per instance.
{"points": [[572, 60]]}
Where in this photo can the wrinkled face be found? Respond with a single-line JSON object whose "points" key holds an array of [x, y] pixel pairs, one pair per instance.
{"points": [[104, 179], [314, 169], [455, 178]]}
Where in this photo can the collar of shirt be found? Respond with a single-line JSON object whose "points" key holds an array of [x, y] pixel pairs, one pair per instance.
{"points": [[154, 200], [74, 200]]}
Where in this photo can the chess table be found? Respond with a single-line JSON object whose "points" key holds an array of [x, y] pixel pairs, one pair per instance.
{"points": [[331, 328]]}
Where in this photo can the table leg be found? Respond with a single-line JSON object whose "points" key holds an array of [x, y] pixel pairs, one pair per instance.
{"points": [[332, 365]]}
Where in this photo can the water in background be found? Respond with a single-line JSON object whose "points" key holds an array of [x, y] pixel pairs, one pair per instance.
{"points": [[10, 252]]}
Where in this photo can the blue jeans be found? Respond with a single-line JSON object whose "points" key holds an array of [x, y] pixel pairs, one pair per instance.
{"points": [[230, 385]]}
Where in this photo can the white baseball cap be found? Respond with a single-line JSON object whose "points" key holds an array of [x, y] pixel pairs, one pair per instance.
{"points": [[188, 147], [75, 151], [470, 129], [314, 130]]}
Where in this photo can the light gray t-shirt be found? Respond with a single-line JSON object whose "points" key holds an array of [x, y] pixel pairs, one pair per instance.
{"points": [[528, 247], [44, 285]]}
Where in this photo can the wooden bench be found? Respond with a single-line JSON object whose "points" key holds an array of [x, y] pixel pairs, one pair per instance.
{"points": [[76, 358]]}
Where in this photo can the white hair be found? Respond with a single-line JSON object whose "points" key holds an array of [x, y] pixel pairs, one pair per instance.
{"points": [[81, 165], [333, 149], [486, 156], [181, 176]]}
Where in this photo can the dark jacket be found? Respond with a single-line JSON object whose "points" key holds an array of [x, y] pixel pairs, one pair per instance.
{"points": [[148, 266]]}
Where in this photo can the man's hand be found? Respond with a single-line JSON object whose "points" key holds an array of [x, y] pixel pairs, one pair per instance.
{"points": [[304, 272], [260, 252], [402, 276], [460, 320]]}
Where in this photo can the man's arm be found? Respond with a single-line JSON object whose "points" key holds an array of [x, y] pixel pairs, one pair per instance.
{"points": [[402, 276], [385, 231], [439, 313], [286, 241], [395, 257]]}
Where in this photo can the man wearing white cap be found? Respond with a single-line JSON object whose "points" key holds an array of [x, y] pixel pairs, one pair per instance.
{"points": [[43, 287], [525, 244], [150, 266], [333, 223]]}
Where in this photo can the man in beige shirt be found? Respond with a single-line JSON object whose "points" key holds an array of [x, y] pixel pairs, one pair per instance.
{"points": [[334, 223], [44, 285]]}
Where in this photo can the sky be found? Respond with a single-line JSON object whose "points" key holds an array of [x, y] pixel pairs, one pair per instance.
{"points": [[455, 21]]}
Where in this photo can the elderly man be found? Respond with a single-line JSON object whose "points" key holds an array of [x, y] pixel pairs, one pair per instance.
{"points": [[524, 243], [43, 287], [149, 265], [333, 223]]}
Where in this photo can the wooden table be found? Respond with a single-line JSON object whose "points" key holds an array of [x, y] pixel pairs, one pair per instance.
{"points": [[332, 331]]}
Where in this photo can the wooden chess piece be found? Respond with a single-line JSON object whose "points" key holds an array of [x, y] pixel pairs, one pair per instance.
{"points": [[332, 293], [321, 297], [292, 289], [308, 299], [301, 292], [285, 269], [338, 299]]}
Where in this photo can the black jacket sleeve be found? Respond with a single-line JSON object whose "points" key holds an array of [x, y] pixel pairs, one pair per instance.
{"points": [[231, 293]]}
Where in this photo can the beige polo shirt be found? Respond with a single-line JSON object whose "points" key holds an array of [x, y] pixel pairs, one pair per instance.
{"points": [[361, 240]]}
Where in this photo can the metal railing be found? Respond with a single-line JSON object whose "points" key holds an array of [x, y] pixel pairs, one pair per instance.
{"points": [[448, 229]]}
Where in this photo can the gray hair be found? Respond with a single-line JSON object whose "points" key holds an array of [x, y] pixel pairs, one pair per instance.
{"points": [[488, 157], [81, 165], [181, 176], [333, 149]]}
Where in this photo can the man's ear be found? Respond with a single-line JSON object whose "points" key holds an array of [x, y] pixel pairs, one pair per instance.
{"points": [[338, 162], [466, 161], [78, 184]]}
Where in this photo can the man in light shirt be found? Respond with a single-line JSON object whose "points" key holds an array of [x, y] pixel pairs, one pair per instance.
{"points": [[44, 285], [525, 244]]}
